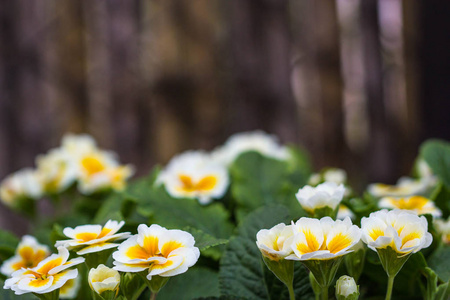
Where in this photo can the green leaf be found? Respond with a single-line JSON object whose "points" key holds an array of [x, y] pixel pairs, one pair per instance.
{"points": [[195, 283], [203, 240], [242, 271], [110, 209], [170, 212], [408, 279], [441, 196], [437, 154], [439, 261], [8, 244], [259, 180]]}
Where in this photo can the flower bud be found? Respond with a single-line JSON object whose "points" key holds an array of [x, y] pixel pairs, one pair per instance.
{"points": [[346, 288], [104, 279]]}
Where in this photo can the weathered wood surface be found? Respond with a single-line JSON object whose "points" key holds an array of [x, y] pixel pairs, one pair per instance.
{"points": [[151, 78]]}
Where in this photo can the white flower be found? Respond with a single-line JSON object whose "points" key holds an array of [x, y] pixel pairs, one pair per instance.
{"points": [[93, 238], [327, 194], [338, 176], [418, 204], [401, 230], [49, 275], [443, 227], [345, 286], [58, 170], [100, 170], [314, 179], [344, 212], [258, 141], [103, 279], [70, 289], [405, 187], [159, 251], [21, 184], [78, 144], [323, 239], [28, 254], [194, 174], [271, 242]]}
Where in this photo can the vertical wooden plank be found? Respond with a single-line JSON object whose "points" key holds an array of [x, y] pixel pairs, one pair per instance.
{"points": [[260, 43], [380, 156]]}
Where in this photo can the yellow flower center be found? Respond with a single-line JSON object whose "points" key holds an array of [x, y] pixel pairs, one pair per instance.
{"points": [[151, 248], [311, 244], [92, 165], [411, 203], [338, 243], [30, 258], [188, 185]]}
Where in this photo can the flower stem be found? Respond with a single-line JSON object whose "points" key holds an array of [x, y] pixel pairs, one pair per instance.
{"points": [[325, 293], [291, 291], [153, 296], [389, 287]]}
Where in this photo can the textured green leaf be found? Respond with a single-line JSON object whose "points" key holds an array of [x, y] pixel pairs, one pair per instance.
{"points": [[170, 212], [8, 244], [195, 283], [259, 180], [242, 271], [437, 154], [439, 261], [203, 240]]}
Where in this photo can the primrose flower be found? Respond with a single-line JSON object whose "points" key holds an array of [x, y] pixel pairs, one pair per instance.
{"points": [[344, 212], [93, 238], [101, 170], [401, 230], [58, 170], [325, 195], [157, 250], [24, 183], [272, 242], [28, 254], [70, 289], [405, 187], [78, 144], [259, 141], [194, 174], [49, 275], [323, 239], [418, 204], [443, 227], [103, 279]]}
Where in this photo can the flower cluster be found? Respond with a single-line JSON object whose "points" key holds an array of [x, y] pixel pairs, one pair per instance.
{"points": [[204, 176], [77, 160], [155, 249]]}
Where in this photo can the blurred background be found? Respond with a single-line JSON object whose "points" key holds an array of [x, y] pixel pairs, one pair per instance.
{"points": [[357, 83]]}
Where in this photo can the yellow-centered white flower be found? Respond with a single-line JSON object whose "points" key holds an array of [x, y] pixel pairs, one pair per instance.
{"points": [[195, 174], [418, 204], [403, 231], [100, 170], [336, 175], [78, 144], [405, 187], [49, 275], [158, 250], [443, 227], [327, 194], [344, 212], [93, 238], [24, 183], [58, 170], [103, 279], [70, 289], [272, 242], [322, 239], [28, 254], [259, 141]]}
